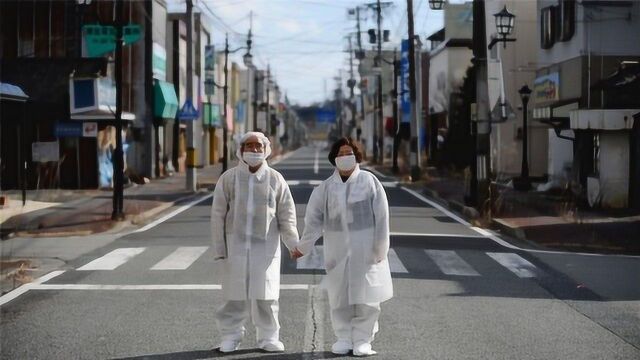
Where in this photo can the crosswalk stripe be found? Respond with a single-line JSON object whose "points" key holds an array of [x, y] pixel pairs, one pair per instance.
{"points": [[515, 264], [113, 259], [181, 259], [395, 264], [315, 261], [451, 263]]}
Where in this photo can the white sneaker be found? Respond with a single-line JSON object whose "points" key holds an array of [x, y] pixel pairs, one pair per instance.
{"points": [[228, 346], [363, 349], [272, 346], [341, 347]]}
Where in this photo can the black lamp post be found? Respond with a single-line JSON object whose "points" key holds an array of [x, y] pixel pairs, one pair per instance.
{"points": [[247, 58], [504, 24], [523, 183]]}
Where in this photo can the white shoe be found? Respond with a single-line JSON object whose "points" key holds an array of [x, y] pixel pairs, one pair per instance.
{"points": [[228, 346], [341, 347], [272, 346], [363, 349]]}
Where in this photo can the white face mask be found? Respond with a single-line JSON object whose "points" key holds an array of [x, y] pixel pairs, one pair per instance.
{"points": [[346, 163], [253, 159]]}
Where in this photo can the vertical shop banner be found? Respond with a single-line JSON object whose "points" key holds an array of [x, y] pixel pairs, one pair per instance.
{"points": [[405, 96], [209, 69]]}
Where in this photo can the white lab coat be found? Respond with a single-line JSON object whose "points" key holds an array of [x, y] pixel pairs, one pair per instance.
{"points": [[250, 214], [353, 218]]}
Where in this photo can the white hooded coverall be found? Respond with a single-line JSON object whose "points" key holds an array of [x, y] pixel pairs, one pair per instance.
{"points": [[353, 218], [251, 213]]}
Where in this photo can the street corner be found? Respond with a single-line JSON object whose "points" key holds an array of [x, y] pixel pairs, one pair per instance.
{"points": [[15, 272]]}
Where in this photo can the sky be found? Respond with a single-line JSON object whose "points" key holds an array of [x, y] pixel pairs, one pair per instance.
{"points": [[305, 41]]}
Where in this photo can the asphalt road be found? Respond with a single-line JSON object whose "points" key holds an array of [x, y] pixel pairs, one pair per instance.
{"points": [[459, 294]]}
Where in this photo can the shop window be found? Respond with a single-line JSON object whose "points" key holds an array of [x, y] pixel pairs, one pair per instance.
{"points": [[566, 20], [548, 27]]}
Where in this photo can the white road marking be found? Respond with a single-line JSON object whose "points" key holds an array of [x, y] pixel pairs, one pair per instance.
{"points": [[181, 259], [30, 286], [436, 235], [315, 261], [315, 162], [304, 182], [515, 264], [173, 213], [112, 260], [451, 263], [150, 287], [389, 184], [395, 264], [376, 172], [490, 235]]}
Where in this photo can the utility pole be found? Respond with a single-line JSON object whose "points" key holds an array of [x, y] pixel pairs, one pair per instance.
{"points": [[267, 122], [351, 84], [191, 151], [414, 159], [360, 57], [118, 161], [481, 161], [249, 73], [378, 151], [225, 92]]}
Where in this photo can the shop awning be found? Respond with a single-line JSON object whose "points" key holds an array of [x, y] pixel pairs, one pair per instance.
{"points": [[166, 102], [602, 119], [12, 92]]}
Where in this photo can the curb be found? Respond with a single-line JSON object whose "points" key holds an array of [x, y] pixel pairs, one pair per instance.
{"points": [[468, 213], [514, 232], [115, 226]]}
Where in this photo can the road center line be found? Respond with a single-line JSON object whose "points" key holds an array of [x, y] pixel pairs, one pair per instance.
{"points": [[315, 162]]}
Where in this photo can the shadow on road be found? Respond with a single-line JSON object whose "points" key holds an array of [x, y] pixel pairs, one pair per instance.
{"points": [[215, 353]]}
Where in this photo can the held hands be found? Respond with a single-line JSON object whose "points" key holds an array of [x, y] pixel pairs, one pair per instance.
{"points": [[295, 254]]}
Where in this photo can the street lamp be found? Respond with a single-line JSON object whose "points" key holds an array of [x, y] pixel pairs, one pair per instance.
{"points": [[504, 24], [523, 183], [247, 61]]}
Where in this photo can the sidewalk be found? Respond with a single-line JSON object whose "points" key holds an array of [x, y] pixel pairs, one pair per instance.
{"points": [[54, 213], [545, 220], [51, 228]]}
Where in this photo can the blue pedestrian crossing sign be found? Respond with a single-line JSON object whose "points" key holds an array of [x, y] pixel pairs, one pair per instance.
{"points": [[188, 112]]}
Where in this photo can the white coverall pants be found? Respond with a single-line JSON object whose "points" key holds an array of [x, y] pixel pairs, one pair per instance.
{"points": [[357, 323], [232, 316]]}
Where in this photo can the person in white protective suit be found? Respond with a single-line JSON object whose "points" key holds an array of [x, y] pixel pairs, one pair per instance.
{"points": [[350, 211], [252, 211]]}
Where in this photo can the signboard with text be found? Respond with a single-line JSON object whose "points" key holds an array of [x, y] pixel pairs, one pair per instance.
{"points": [[405, 96]]}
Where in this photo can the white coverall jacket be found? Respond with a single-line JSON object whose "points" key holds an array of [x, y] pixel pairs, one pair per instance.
{"points": [[353, 218], [250, 214]]}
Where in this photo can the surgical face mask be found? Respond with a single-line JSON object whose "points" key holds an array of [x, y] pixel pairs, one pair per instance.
{"points": [[252, 158], [346, 163]]}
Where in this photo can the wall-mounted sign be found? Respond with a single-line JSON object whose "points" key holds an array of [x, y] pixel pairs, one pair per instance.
{"points": [[90, 129], [159, 62], [45, 151], [68, 129], [209, 70], [547, 88]]}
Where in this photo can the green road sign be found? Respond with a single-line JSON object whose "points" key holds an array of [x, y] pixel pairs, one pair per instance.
{"points": [[101, 39]]}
